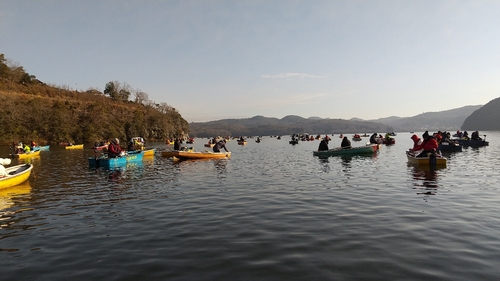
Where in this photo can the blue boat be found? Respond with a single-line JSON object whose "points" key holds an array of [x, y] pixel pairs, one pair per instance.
{"points": [[41, 148], [106, 162]]}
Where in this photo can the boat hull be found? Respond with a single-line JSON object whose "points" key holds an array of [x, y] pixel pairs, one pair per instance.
{"points": [[426, 161], [472, 143], [26, 155], [360, 150], [107, 163], [16, 175], [449, 147], [197, 155]]}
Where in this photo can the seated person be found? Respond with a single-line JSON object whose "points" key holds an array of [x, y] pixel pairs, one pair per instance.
{"points": [[373, 139], [416, 142], [346, 143], [475, 136], [429, 145], [114, 149], [323, 145], [219, 145]]}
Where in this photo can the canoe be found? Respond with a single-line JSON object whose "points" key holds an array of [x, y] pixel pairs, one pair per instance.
{"points": [[16, 175], [41, 148], [75, 146], [105, 162], [149, 152], [198, 154], [26, 155], [439, 160], [360, 150], [242, 142], [172, 153]]}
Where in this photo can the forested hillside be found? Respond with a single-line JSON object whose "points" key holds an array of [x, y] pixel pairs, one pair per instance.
{"points": [[33, 110], [485, 118]]}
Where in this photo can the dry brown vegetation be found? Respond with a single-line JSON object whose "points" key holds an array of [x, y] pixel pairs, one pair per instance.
{"points": [[32, 110]]}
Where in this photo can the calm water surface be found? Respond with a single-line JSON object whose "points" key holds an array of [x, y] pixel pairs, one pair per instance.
{"points": [[271, 212]]}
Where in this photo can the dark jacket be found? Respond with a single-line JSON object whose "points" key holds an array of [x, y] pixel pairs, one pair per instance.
{"points": [[345, 142], [323, 145], [219, 145]]}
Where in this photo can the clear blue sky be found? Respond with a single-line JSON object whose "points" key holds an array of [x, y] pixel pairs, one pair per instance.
{"points": [[236, 59]]}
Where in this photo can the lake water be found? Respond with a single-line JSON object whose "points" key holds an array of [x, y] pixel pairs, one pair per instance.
{"points": [[272, 212]]}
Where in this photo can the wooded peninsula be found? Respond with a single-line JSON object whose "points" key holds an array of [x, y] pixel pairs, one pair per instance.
{"points": [[35, 111]]}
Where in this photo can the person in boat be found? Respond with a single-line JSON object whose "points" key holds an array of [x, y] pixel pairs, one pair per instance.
{"points": [[388, 136], [242, 139], [475, 136], [177, 144], [416, 142], [33, 145], [373, 139], [3, 171], [465, 135], [220, 145], [26, 148], [114, 149], [345, 143], [323, 145], [429, 145]]}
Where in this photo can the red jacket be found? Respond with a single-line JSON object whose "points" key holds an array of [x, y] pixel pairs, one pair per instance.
{"points": [[428, 144], [114, 149]]}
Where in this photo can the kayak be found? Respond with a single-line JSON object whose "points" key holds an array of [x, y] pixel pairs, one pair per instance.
{"points": [[360, 150], [197, 155], [41, 148], [242, 142], [74, 146], [16, 175], [149, 152], [26, 155], [106, 162], [438, 160]]}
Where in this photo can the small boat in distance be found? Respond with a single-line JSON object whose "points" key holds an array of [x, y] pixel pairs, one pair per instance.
{"points": [[360, 150]]}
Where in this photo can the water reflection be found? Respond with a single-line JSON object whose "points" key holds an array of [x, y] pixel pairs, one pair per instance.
{"points": [[8, 196], [425, 180]]}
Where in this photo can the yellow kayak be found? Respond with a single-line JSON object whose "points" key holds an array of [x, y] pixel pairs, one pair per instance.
{"points": [[196, 155], [26, 155], [149, 152], [16, 175], [75, 146]]}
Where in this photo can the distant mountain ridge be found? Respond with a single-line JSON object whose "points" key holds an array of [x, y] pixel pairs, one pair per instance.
{"points": [[449, 120]]}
